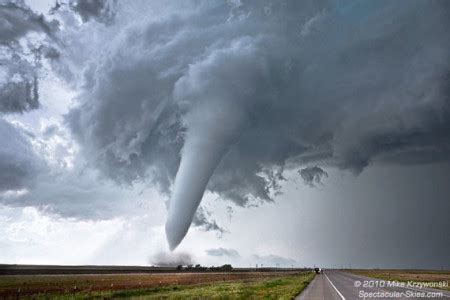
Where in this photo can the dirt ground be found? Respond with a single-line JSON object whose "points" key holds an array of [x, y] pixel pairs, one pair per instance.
{"points": [[13, 286]]}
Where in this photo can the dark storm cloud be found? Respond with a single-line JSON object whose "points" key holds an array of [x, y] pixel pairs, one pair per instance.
{"points": [[312, 175], [349, 90], [223, 252], [19, 65], [203, 221], [228, 95], [99, 10], [19, 165]]}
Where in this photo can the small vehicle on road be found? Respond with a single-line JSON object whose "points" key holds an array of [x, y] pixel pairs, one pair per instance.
{"points": [[318, 270]]}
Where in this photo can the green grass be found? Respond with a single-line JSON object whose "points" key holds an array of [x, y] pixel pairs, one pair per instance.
{"points": [[283, 287], [286, 287]]}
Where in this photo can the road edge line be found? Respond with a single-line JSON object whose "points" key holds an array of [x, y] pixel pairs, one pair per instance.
{"points": [[343, 298]]}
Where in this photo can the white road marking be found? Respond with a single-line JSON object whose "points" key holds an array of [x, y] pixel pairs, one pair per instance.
{"points": [[342, 297]]}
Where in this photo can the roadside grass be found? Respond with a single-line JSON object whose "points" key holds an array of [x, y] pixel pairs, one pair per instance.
{"points": [[286, 287], [408, 275], [283, 287]]}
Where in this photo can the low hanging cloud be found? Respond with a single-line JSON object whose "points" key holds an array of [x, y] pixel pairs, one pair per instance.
{"points": [[286, 84], [203, 221], [312, 175], [220, 252]]}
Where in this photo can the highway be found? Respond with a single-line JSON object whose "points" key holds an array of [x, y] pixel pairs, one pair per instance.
{"points": [[338, 285]]}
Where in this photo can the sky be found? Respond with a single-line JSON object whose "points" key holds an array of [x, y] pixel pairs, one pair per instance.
{"points": [[277, 133]]}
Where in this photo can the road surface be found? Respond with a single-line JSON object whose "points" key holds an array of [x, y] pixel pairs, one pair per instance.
{"points": [[338, 285]]}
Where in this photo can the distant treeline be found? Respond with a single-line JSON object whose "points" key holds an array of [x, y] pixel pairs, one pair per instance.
{"points": [[223, 268], [55, 270]]}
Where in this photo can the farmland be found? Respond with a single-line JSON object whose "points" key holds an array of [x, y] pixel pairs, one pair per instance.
{"points": [[155, 285]]}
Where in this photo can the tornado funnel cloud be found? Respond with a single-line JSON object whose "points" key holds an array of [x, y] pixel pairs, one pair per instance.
{"points": [[200, 158], [208, 139]]}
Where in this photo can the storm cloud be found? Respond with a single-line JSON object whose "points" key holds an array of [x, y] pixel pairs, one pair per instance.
{"points": [[203, 221], [19, 164], [226, 96], [99, 10], [312, 175], [24, 38], [41, 169]]}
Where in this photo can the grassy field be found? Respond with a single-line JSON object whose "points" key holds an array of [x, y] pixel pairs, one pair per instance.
{"points": [[407, 275], [233, 285]]}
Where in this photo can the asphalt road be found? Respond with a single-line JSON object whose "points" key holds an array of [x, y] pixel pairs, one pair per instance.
{"points": [[338, 285]]}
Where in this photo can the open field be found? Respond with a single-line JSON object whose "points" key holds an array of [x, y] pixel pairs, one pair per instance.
{"points": [[172, 285], [408, 275]]}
